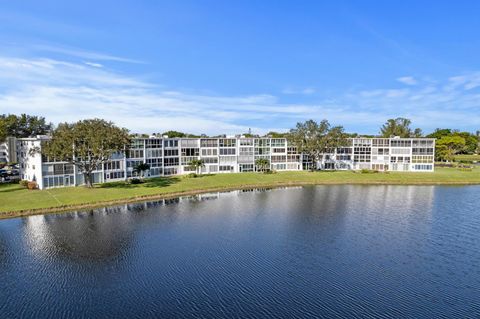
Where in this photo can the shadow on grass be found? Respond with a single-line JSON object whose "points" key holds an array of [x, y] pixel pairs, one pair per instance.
{"points": [[150, 182], [10, 189]]}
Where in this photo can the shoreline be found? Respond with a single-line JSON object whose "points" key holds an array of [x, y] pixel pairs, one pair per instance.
{"points": [[143, 198]]}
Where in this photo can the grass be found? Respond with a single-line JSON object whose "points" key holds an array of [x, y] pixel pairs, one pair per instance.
{"points": [[16, 201], [467, 158]]}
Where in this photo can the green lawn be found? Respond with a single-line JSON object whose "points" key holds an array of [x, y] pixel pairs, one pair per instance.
{"points": [[15, 199]]}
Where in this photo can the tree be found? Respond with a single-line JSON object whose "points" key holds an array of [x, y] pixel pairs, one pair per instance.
{"points": [[23, 126], [447, 147], [273, 134], [87, 144], [141, 169], [314, 139], [262, 164], [471, 140], [399, 127], [197, 164], [173, 134]]}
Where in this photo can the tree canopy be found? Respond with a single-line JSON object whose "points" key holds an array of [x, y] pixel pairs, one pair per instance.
{"points": [[197, 164], [173, 134], [23, 126], [262, 164], [399, 127], [273, 134], [448, 146], [87, 144], [471, 140], [315, 139]]}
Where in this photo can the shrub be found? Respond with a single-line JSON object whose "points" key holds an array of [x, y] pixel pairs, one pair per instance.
{"points": [[23, 183], [368, 171], [270, 171], [191, 175], [136, 181], [32, 185]]}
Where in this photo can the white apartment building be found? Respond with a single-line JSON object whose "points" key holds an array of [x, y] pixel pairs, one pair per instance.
{"points": [[171, 156], [8, 151]]}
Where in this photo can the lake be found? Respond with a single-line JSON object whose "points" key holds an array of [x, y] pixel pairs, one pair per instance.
{"points": [[317, 251]]}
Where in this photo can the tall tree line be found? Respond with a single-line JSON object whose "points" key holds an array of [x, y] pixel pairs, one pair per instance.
{"points": [[23, 126]]}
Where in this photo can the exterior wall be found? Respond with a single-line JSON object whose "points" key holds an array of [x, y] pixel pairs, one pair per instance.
{"points": [[171, 156], [8, 150], [383, 154], [30, 163]]}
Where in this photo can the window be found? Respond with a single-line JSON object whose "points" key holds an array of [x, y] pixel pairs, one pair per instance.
{"points": [[246, 167], [173, 152], [154, 143], [170, 161], [246, 142], [190, 151], [170, 171], [113, 165], [380, 142], [191, 143], [227, 151], [262, 142], [245, 151], [278, 142], [227, 142], [137, 144], [278, 158], [135, 153], [210, 160], [208, 143], [228, 159], [170, 143], [154, 152], [400, 143], [225, 168], [154, 162], [209, 152]]}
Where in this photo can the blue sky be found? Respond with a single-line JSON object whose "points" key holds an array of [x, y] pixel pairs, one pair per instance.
{"points": [[223, 67]]}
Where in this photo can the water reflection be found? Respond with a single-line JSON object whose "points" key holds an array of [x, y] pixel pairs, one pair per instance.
{"points": [[385, 251]]}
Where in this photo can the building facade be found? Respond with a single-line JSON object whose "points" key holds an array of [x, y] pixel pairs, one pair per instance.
{"points": [[8, 150], [171, 156]]}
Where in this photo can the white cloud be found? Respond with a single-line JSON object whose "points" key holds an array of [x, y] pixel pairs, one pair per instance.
{"points": [[408, 80], [302, 91], [97, 65], [75, 52], [65, 91]]}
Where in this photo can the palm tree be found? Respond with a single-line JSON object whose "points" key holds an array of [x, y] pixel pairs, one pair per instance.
{"points": [[197, 164], [141, 169], [262, 164]]}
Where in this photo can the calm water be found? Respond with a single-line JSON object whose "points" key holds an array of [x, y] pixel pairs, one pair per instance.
{"points": [[325, 251]]}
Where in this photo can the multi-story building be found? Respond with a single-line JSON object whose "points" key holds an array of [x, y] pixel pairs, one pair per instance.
{"points": [[8, 150], [382, 154], [171, 156]]}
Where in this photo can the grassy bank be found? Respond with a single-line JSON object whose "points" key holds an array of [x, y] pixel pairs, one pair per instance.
{"points": [[15, 201]]}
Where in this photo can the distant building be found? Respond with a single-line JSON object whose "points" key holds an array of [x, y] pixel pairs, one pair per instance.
{"points": [[8, 150], [236, 154]]}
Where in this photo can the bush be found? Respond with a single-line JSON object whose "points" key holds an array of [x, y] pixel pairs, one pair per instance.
{"points": [[136, 181], [191, 175], [269, 171], [23, 183], [368, 171], [32, 185]]}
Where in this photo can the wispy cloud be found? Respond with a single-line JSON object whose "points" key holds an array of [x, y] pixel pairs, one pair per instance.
{"points": [[75, 52], [302, 91], [408, 80], [66, 91]]}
